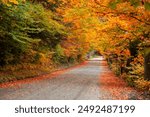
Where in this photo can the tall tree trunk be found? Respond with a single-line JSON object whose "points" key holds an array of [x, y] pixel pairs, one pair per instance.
{"points": [[147, 64]]}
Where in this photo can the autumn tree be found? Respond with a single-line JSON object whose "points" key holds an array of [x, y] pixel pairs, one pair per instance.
{"points": [[127, 24], [69, 29], [27, 28], [83, 27]]}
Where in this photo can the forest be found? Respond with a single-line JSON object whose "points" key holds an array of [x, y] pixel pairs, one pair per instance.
{"points": [[38, 36]]}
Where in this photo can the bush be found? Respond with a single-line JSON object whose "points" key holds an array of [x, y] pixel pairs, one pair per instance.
{"points": [[143, 85]]}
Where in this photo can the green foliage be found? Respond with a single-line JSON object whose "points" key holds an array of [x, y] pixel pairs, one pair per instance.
{"points": [[58, 56], [51, 32], [135, 3], [49, 4], [130, 80], [27, 27], [146, 51], [13, 39], [136, 72], [147, 5], [113, 4]]}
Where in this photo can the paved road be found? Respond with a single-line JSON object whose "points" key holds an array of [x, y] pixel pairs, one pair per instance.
{"points": [[75, 84]]}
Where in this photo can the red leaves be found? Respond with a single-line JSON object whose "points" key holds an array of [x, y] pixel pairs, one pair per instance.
{"points": [[115, 87], [39, 78]]}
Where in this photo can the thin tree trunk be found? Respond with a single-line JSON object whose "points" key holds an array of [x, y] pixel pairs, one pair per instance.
{"points": [[147, 64]]}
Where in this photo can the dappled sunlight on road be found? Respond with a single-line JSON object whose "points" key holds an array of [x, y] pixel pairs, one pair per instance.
{"points": [[99, 58]]}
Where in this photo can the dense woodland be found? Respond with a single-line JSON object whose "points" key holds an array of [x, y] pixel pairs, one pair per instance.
{"points": [[38, 35]]}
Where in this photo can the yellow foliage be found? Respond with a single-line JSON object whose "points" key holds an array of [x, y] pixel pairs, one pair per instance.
{"points": [[7, 2], [142, 84]]}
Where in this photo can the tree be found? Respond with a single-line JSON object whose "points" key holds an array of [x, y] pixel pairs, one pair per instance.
{"points": [[124, 23], [83, 26], [147, 64], [27, 27]]}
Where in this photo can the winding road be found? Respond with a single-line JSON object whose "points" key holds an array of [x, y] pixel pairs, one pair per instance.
{"points": [[78, 83]]}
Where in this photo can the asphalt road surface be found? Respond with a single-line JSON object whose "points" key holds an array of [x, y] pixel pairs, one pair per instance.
{"points": [[92, 80], [74, 84]]}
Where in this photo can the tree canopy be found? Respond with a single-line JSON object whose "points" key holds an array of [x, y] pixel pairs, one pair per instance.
{"points": [[66, 30]]}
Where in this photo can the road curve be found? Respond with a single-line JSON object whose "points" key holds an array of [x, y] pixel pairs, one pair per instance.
{"points": [[80, 83]]}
